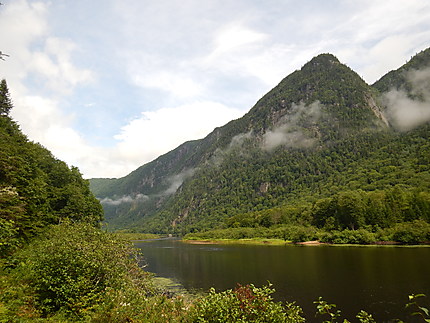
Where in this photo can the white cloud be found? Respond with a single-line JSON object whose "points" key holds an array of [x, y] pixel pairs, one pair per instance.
{"points": [[124, 199], [157, 132], [288, 133], [177, 180], [235, 37], [405, 113], [48, 60], [180, 86], [380, 36], [140, 141], [54, 65]]}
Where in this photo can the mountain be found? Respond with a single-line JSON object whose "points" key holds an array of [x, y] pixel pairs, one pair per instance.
{"points": [[401, 78], [321, 131]]}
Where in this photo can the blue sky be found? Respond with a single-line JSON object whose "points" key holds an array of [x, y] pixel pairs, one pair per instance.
{"points": [[110, 85]]}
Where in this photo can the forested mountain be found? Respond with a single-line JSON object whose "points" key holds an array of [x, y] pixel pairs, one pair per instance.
{"points": [[36, 189], [321, 148]]}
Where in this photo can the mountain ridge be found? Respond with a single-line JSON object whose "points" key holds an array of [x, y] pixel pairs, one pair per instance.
{"points": [[311, 109]]}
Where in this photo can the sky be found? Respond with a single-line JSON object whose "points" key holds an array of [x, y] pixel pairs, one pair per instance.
{"points": [[108, 86]]}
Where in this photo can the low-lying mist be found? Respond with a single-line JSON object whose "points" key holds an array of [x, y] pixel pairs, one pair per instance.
{"points": [[289, 133], [406, 111]]}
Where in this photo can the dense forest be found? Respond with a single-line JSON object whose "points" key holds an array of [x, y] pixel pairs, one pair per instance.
{"points": [[323, 151]]}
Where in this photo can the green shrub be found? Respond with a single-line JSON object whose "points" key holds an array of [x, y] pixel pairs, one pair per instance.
{"points": [[244, 304], [74, 267], [411, 232], [301, 234], [360, 236]]}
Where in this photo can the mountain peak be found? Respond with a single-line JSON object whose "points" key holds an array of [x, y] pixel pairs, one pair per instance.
{"points": [[325, 58], [340, 92], [322, 62], [399, 78]]}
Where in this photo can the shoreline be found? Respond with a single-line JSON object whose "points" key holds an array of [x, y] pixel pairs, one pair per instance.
{"points": [[279, 242]]}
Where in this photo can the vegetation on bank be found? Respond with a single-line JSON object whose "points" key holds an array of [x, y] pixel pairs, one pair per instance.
{"points": [[414, 232]]}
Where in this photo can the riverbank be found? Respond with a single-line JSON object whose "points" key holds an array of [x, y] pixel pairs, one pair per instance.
{"points": [[254, 241], [409, 233], [257, 241], [280, 242]]}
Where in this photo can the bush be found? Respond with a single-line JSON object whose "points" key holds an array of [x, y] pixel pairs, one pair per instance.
{"points": [[231, 233], [360, 236], [244, 304], [411, 232], [74, 267]]}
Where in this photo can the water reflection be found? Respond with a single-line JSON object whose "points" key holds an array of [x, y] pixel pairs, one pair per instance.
{"points": [[376, 279]]}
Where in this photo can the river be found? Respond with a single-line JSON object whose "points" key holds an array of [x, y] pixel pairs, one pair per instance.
{"points": [[376, 279]]}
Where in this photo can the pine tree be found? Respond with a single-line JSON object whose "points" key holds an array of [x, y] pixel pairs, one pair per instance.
{"points": [[5, 101]]}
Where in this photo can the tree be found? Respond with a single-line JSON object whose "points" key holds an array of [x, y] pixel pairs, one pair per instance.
{"points": [[5, 101]]}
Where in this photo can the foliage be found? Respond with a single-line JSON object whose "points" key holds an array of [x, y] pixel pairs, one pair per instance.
{"points": [[408, 233], [419, 310], [329, 310], [360, 236], [324, 308], [414, 232], [244, 304], [291, 233], [137, 301], [398, 79], [5, 100], [36, 189], [72, 267]]}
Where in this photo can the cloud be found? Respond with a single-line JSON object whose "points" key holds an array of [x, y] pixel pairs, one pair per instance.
{"points": [[236, 144], [165, 74], [289, 133], [124, 199], [174, 183], [157, 132], [404, 112], [385, 33], [177, 180], [234, 37], [181, 86], [40, 73], [53, 64], [35, 55]]}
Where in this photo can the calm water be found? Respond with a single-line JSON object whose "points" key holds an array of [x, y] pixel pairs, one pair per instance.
{"points": [[376, 279]]}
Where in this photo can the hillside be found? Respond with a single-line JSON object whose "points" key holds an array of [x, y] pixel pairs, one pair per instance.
{"points": [[36, 189], [320, 132]]}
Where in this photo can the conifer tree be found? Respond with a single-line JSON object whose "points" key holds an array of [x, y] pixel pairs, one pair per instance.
{"points": [[5, 101]]}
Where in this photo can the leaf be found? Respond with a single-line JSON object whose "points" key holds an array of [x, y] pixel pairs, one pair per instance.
{"points": [[424, 309]]}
